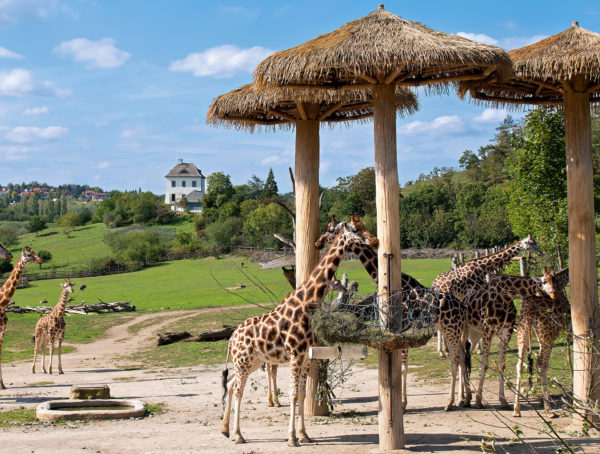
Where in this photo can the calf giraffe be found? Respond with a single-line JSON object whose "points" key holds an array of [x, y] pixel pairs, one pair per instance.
{"points": [[452, 315], [547, 317], [51, 327], [5, 254], [284, 335], [471, 275], [491, 311], [8, 290]]}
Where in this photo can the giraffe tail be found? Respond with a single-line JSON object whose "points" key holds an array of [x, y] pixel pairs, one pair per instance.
{"points": [[224, 378], [33, 340], [468, 357], [530, 367]]}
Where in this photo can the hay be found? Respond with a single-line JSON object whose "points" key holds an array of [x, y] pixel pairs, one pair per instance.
{"points": [[360, 321]]}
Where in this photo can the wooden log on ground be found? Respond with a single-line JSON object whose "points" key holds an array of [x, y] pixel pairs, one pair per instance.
{"points": [[184, 336]]}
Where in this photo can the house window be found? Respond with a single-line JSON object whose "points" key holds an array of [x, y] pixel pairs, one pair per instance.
{"points": [[173, 183], [194, 183], [183, 184], [172, 197]]}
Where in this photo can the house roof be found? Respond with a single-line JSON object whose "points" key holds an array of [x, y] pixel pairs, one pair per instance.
{"points": [[194, 196], [185, 170]]}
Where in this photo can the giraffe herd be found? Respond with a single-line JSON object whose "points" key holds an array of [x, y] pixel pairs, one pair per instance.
{"points": [[470, 309], [473, 304]]}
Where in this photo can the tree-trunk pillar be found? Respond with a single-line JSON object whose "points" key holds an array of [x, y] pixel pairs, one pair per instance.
{"points": [[391, 426], [582, 247], [307, 230]]}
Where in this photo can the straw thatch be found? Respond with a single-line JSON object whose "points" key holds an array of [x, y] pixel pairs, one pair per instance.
{"points": [[382, 48], [249, 107], [541, 69]]}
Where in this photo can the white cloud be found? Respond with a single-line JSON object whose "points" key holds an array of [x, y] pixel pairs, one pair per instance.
{"points": [[275, 160], [441, 125], [132, 132], [27, 134], [510, 42], [491, 116], [13, 10], [99, 54], [479, 37], [20, 82], [32, 111], [5, 53], [103, 165], [222, 61]]}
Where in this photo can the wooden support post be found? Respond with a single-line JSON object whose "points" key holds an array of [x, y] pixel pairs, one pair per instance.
{"points": [[307, 227], [391, 426], [523, 266], [582, 245]]}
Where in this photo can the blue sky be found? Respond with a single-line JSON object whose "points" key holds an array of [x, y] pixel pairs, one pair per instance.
{"points": [[113, 92]]}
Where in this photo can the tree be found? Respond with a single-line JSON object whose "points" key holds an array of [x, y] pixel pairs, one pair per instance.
{"points": [[8, 235], [270, 188], [70, 219], [45, 255], [538, 185], [256, 186], [219, 191], [263, 222], [36, 224]]}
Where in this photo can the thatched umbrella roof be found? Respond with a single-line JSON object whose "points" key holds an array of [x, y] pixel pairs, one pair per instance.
{"points": [[383, 48], [249, 107], [541, 69]]}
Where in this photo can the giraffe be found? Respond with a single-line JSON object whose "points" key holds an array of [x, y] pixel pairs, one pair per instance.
{"points": [[51, 327], [491, 311], [470, 276], [547, 317], [5, 254], [284, 335], [8, 290], [452, 315]]}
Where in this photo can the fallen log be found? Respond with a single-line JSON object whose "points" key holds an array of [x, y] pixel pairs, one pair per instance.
{"points": [[99, 308], [184, 336]]}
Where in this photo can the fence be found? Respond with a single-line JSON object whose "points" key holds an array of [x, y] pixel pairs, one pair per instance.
{"points": [[282, 251]]}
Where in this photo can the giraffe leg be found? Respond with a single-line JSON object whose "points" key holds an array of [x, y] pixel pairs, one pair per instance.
{"points": [[404, 366], [274, 390], [295, 373], [523, 336], [304, 438], [542, 366], [485, 353], [505, 336], [456, 360], [36, 348], [440, 344], [61, 336], [1, 341], [44, 345], [51, 353], [227, 411], [474, 338], [241, 378]]}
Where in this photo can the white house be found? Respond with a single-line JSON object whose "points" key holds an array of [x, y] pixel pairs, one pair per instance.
{"points": [[185, 181]]}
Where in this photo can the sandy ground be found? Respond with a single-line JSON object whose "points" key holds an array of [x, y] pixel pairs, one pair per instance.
{"points": [[192, 420]]}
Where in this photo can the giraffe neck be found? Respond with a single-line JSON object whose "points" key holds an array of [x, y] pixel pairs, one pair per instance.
{"points": [[8, 289], [561, 279], [368, 258], [315, 287], [59, 309], [516, 285], [496, 261]]}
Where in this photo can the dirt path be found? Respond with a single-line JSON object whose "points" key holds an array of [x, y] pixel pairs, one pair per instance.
{"points": [[192, 420]]}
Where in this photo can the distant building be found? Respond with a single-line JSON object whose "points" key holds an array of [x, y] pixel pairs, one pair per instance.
{"points": [[99, 196], [185, 181]]}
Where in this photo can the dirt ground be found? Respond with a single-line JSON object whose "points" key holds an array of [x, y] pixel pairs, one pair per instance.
{"points": [[191, 421]]}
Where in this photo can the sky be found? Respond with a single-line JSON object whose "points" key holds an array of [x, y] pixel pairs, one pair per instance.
{"points": [[111, 93]]}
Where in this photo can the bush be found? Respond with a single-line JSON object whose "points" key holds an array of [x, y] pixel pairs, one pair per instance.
{"points": [[5, 267], [98, 265], [45, 255], [8, 235], [138, 246]]}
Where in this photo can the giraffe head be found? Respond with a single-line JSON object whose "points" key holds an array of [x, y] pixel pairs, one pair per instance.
{"points": [[4, 254], [67, 285], [331, 230], [359, 228], [529, 244], [29, 256], [549, 283]]}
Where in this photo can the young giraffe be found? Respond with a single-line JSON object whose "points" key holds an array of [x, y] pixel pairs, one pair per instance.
{"points": [[8, 290], [51, 327], [5, 254], [491, 311], [471, 275], [284, 335], [547, 317], [452, 314]]}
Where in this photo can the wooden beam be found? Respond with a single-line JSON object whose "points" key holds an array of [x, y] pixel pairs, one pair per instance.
{"points": [[278, 113], [331, 110], [301, 111]]}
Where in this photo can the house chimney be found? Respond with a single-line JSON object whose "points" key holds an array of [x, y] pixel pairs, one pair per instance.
{"points": [[180, 161]]}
